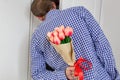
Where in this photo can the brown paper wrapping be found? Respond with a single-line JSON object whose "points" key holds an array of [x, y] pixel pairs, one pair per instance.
{"points": [[66, 51]]}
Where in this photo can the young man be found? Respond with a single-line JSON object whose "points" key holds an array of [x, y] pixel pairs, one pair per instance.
{"points": [[88, 41]]}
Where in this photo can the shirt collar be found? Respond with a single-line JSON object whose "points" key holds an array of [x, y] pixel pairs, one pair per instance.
{"points": [[52, 13]]}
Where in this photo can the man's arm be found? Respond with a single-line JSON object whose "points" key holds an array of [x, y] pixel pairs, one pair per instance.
{"points": [[38, 67], [102, 46]]}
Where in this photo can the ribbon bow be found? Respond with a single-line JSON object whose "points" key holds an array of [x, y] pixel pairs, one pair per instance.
{"points": [[80, 66]]}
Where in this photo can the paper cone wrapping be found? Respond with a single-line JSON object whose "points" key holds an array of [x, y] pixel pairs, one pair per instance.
{"points": [[66, 51]]}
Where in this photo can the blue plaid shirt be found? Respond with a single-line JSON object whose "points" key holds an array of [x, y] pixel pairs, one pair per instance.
{"points": [[89, 42]]}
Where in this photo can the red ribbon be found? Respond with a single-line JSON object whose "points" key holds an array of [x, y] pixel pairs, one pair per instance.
{"points": [[79, 67]]}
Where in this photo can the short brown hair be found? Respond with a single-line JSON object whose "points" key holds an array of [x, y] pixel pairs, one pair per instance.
{"points": [[56, 2], [40, 8]]}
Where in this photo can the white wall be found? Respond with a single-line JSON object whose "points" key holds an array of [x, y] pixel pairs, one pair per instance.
{"points": [[110, 23], [14, 39]]}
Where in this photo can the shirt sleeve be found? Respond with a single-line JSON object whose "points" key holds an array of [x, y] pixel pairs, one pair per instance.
{"points": [[38, 67], [102, 46]]}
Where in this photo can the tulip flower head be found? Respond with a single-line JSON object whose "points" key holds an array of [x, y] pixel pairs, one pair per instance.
{"points": [[68, 31], [55, 33], [50, 36], [56, 29], [62, 28], [60, 35], [56, 40]]}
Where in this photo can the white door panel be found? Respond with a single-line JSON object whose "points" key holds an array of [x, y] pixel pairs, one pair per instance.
{"points": [[93, 6]]}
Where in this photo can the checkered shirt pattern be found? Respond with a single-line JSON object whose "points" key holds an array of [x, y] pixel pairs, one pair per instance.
{"points": [[88, 40]]}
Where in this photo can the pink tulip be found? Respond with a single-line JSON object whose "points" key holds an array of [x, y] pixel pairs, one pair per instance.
{"points": [[68, 31], [51, 39], [62, 28], [55, 33], [56, 29], [49, 34], [61, 35], [56, 40]]}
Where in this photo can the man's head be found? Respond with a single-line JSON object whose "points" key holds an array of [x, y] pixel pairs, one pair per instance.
{"points": [[40, 8]]}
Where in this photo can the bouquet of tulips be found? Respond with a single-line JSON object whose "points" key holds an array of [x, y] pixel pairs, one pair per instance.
{"points": [[61, 41]]}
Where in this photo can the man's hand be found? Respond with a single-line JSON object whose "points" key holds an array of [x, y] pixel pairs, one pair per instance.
{"points": [[70, 73]]}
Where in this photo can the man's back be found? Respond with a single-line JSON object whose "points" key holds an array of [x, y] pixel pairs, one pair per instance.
{"points": [[83, 42]]}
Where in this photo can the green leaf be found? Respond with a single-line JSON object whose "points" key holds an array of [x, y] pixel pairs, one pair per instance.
{"points": [[66, 40], [63, 41]]}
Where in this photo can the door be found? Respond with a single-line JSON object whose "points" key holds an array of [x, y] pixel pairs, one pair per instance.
{"points": [[94, 6]]}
